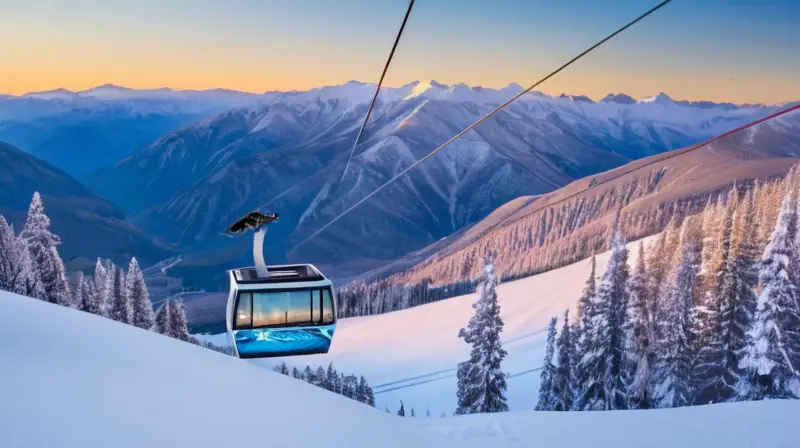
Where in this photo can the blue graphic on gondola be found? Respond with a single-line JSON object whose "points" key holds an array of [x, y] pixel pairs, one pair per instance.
{"points": [[279, 342]]}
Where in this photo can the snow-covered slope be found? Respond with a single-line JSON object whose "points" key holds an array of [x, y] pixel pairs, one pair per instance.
{"points": [[72, 379], [411, 355]]}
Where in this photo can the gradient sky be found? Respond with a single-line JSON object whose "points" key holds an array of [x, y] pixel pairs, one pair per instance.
{"points": [[721, 50]]}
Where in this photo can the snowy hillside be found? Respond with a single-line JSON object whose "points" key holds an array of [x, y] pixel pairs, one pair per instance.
{"points": [[72, 379], [411, 355]]}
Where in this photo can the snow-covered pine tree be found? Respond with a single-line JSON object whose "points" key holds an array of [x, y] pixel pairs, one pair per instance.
{"points": [[481, 382], [330, 378], [672, 368], [582, 322], [320, 378], [136, 291], [121, 306], [773, 340], [296, 373], [562, 380], [47, 265], [178, 328], [102, 287], [91, 301], [717, 371], [546, 393], [308, 375], [15, 261], [77, 289], [639, 337], [163, 319], [612, 299]]}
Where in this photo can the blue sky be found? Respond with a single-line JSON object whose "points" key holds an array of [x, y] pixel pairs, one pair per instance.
{"points": [[736, 50]]}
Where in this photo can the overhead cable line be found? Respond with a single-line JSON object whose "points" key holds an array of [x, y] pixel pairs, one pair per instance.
{"points": [[487, 116], [378, 87]]}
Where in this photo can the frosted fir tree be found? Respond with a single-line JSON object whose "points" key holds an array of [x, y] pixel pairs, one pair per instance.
{"points": [[717, 373], [583, 322], [136, 291], [15, 262], [546, 396], [102, 287], [78, 289], [91, 302], [121, 306], [562, 380], [296, 373], [320, 378], [178, 326], [481, 382], [613, 297], [773, 340], [672, 368], [162, 325], [639, 337], [47, 265]]}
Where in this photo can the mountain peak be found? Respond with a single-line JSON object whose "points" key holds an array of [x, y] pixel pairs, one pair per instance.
{"points": [[620, 98], [662, 98]]}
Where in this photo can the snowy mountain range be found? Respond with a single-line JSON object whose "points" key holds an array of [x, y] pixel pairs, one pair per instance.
{"points": [[80, 132], [292, 146]]}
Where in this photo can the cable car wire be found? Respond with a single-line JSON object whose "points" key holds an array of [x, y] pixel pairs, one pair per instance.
{"points": [[487, 116], [378, 88], [366, 119]]}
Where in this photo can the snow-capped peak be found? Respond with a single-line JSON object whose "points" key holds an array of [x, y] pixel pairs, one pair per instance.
{"points": [[662, 98], [620, 98]]}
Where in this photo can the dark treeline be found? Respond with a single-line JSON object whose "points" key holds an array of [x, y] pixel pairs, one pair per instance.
{"points": [[709, 313], [350, 386]]}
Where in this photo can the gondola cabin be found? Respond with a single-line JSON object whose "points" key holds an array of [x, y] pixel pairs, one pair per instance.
{"points": [[289, 311]]}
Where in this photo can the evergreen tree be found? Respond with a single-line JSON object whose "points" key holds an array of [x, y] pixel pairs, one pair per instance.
{"points": [[717, 373], [583, 322], [402, 411], [102, 288], [562, 380], [47, 266], [412, 413], [15, 262], [773, 340], [296, 373], [639, 337], [163, 319], [320, 379], [308, 375], [136, 291], [330, 378], [602, 359], [672, 369], [89, 303], [546, 393], [282, 368], [177, 321], [121, 305], [481, 383], [77, 291]]}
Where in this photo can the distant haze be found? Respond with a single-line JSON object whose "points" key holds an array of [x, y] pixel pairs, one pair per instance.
{"points": [[720, 50]]}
